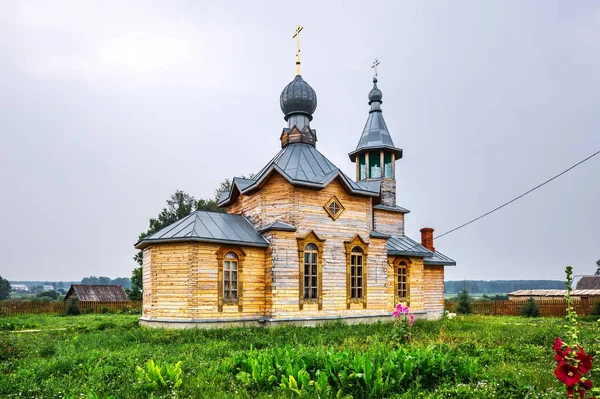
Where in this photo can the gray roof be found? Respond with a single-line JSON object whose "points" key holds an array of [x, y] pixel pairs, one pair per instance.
{"points": [[589, 283], [394, 208], [278, 226], [402, 245], [439, 258], [555, 293], [97, 293], [375, 134], [208, 227], [298, 98], [302, 165], [376, 234]]}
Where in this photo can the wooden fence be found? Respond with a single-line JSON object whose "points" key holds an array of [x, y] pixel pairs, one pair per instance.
{"points": [[13, 308], [548, 307]]}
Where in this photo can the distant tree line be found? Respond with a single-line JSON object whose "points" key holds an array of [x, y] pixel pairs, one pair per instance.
{"points": [[93, 280], [500, 286]]}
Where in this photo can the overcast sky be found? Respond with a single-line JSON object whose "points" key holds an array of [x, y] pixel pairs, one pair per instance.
{"points": [[107, 109]]}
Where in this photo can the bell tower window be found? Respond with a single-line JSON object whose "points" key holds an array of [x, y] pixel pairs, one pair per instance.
{"points": [[374, 164]]}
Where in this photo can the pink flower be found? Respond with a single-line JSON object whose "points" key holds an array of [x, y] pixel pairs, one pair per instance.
{"points": [[411, 320]]}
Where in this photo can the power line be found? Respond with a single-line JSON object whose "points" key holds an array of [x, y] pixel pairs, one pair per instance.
{"points": [[520, 196]]}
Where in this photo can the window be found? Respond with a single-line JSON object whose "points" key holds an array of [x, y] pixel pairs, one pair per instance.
{"points": [[362, 167], [334, 208], [387, 162], [310, 258], [310, 272], [374, 164], [230, 277], [402, 282], [356, 273]]}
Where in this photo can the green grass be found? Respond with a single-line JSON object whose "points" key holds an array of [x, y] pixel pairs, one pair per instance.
{"points": [[466, 357]]}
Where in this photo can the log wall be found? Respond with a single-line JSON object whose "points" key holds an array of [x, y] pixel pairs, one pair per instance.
{"points": [[434, 287], [388, 222]]}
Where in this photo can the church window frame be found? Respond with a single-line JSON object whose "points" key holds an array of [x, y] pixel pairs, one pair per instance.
{"points": [[315, 246], [402, 264], [356, 271], [334, 208], [225, 257]]}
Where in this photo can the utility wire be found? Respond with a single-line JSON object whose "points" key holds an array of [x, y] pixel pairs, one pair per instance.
{"points": [[516, 198]]}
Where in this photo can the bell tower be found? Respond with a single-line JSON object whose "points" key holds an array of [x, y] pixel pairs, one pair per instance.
{"points": [[375, 155]]}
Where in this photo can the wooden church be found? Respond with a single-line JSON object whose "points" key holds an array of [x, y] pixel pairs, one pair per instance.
{"points": [[301, 242]]}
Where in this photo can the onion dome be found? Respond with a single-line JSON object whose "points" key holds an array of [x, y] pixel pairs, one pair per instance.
{"points": [[298, 98], [375, 94]]}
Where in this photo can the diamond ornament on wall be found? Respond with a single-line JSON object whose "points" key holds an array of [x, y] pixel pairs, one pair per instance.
{"points": [[334, 207]]}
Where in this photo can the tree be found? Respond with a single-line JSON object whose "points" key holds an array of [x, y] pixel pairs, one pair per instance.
{"points": [[598, 269], [4, 289], [135, 293], [464, 303], [48, 294], [179, 205], [530, 309]]}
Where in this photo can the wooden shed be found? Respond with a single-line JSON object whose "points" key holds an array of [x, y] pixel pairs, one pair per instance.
{"points": [[97, 293]]}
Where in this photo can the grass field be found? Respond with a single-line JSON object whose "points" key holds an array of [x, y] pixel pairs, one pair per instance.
{"points": [[466, 357]]}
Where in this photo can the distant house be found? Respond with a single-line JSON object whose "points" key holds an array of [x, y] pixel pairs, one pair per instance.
{"points": [[19, 288], [589, 283], [97, 293], [48, 288]]}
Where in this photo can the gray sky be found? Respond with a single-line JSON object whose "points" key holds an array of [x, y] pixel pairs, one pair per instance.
{"points": [[107, 109]]}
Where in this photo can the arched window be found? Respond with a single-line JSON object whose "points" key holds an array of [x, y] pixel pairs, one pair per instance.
{"points": [[310, 262], [230, 277], [311, 284], [356, 273], [402, 281]]}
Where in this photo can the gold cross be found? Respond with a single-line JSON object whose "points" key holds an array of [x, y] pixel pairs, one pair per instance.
{"points": [[297, 35], [374, 66]]}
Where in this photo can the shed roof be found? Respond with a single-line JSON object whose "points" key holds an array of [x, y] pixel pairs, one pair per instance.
{"points": [[589, 283], [97, 293], [554, 293], [302, 165], [208, 227], [439, 258]]}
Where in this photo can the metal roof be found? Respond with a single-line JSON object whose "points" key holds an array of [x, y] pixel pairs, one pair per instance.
{"points": [[278, 226], [439, 258], [208, 227], [555, 293], [394, 208], [97, 293], [589, 283], [375, 134], [376, 234], [402, 245], [298, 97], [302, 165]]}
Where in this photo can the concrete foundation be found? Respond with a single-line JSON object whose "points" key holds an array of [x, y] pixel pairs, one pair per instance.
{"points": [[274, 322]]}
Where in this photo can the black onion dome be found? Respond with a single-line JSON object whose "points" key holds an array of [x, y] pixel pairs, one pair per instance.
{"points": [[298, 98], [375, 94]]}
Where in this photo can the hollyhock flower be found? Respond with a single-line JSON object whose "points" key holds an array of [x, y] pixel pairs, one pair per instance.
{"points": [[586, 384], [567, 374], [411, 320], [559, 345], [396, 313], [585, 360]]}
